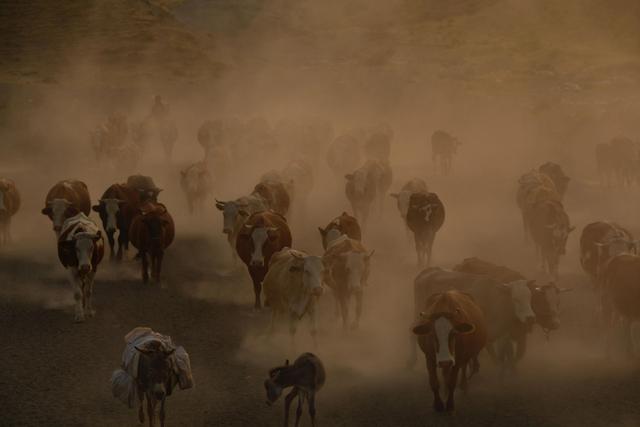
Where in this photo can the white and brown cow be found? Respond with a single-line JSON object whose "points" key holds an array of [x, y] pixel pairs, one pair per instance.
{"points": [[66, 199], [415, 185], [80, 250], [235, 213], [292, 286]]}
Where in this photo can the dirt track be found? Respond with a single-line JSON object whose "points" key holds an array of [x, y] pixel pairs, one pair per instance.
{"points": [[57, 373]]}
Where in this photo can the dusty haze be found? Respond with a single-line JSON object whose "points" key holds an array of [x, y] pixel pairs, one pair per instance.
{"points": [[519, 82]]}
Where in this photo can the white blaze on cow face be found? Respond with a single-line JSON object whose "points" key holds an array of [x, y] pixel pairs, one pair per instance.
{"points": [[521, 298], [312, 274], [58, 210], [84, 245], [355, 266], [443, 328], [259, 235], [111, 209]]}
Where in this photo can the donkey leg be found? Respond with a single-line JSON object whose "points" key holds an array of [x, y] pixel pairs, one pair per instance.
{"points": [[356, 321], [145, 267], [312, 408], [287, 404], [299, 409], [162, 416], [151, 410], [141, 409]]}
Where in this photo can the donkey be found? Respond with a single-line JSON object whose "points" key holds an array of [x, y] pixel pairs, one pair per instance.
{"points": [[156, 379], [306, 376]]}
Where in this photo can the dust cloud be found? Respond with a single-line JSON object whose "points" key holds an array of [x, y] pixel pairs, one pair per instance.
{"points": [[518, 82]]}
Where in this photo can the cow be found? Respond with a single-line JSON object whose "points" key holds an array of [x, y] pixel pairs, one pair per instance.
{"points": [[299, 173], [117, 207], [599, 242], [66, 199], [9, 206], [506, 306], [621, 295], [307, 376], [236, 212], [557, 175], [80, 251], [346, 271], [605, 161], [544, 298], [425, 217], [275, 195], [145, 186], [262, 235], [152, 231], [344, 224], [292, 286], [443, 146], [550, 229], [343, 155], [366, 185], [415, 185], [451, 332], [197, 184], [533, 187]]}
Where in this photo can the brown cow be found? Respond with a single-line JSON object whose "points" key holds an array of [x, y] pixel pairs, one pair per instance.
{"points": [[344, 224], [550, 229], [275, 195], [117, 207], [622, 294], [444, 146], [534, 187], [262, 235], [151, 232], [197, 183], [66, 199], [9, 205], [600, 241], [451, 333], [557, 175], [425, 217], [346, 271], [80, 250]]}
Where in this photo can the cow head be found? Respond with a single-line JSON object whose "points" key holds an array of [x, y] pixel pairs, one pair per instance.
{"points": [[193, 178], [231, 213], [359, 180], [441, 328], [259, 237], [59, 210], [520, 293], [108, 210], [545, 301], [559, 236], [403, 202], [273, 385], [311, 268], [357, 268], [157, 368], [84, 244]]}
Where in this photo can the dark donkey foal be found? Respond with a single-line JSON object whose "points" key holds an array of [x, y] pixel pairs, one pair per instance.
{"points": [[306, 376], [156, 379]]}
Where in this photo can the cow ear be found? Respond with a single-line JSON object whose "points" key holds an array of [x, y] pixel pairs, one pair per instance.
{"points": [[424, 328], [394, 195], [286, 362], [464, 328], [322, 232], [368, 257], [46, 211], [96, 208]]}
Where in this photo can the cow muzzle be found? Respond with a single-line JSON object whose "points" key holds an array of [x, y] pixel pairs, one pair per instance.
{"points": [[84, 269], [257, 263]]}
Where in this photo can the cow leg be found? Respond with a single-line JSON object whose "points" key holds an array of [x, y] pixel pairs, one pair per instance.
{"points": [[344, 310], [463, 381], [76, 285], [162, 416], [356, 322], [428, 247], [287, 404], [158, 268], [451, 386], [521, 347], [475, 366], [336, 299], [438, 405], [88, 290], [151, 410], [628, 338], [123, 238], [141, 408], [299, 409], [112, 244], [257, 290], [312, 408], [419, 249], [145, 267]]}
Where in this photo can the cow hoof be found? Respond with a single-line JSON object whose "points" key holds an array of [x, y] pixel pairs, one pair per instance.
{"points": [[438, 406]]}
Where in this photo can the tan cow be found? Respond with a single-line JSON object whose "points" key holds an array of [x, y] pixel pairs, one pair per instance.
{"points": [[291, 287]]}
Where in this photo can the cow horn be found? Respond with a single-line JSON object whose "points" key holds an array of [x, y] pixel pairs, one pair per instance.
{"points": [[247, 226], [221, 202]]}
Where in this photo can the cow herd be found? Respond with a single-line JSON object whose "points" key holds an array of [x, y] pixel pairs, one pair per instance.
{"points": [[477, 305]]}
